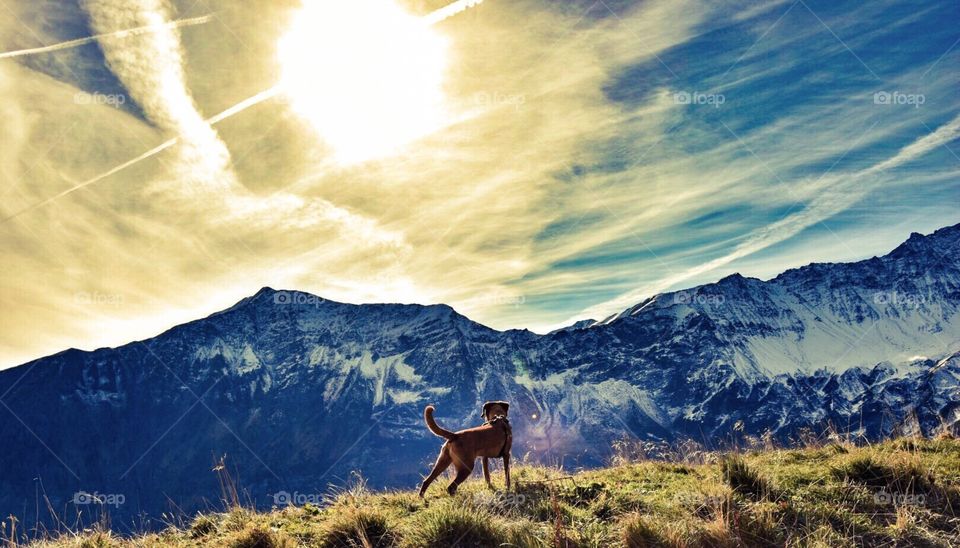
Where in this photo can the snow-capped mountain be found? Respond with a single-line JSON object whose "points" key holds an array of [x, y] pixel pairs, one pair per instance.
{"points": [[298, 390]]}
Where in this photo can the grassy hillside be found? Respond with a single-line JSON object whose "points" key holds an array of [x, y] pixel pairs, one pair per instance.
{"points": [[903, 492]]}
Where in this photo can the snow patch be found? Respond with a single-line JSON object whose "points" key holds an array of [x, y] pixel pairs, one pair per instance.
{"points": [[404, 396]]}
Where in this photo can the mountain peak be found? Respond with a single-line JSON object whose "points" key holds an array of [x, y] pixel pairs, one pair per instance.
{"points": [[292, 375], [736, 279], [943, 239], [581, 324]]}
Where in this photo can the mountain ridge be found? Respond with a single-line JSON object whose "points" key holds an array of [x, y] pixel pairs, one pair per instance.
{"points": [[301, 390], [901, 248]]}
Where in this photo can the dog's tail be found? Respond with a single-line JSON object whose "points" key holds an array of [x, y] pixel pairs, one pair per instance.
{"points": [[434, 427]]}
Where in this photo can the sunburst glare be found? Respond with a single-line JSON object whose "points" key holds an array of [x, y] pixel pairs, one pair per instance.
{"points": [[366, 74]]}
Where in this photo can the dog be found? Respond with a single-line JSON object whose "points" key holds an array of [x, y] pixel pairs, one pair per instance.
{"points": [[492, 440]]}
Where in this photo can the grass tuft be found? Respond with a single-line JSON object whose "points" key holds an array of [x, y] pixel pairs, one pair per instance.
{"points": [[447, 525], [359, 528], [258, 537], [202, 526], [99, 539], [896, 493], [899, 474], [643, 532], [742, 478]]}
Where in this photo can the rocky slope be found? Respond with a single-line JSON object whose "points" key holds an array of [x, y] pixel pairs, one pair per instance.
{"points": [[298, 391]]}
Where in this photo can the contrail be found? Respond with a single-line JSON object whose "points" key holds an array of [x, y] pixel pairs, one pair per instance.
{"points": [[450, 10], [244, 105], [118, 34], [432, 18], [213, 120]]}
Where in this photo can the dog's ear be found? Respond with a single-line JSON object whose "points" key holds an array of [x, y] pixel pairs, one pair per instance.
{"points": [[483, 410]]}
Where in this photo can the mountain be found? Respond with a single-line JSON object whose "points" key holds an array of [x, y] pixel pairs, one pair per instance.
{"points": [[299, 391]]}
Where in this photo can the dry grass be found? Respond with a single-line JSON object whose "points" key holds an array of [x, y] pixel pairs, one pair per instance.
{"points": [[898, 493]]}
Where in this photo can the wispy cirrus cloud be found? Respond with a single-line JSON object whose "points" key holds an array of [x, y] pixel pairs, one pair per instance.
{"points": [[124, 33], [151, 67], [839, 192], [573, 181]]}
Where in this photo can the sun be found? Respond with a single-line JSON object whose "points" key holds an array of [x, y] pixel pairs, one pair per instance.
{"points": [[366, 74]]}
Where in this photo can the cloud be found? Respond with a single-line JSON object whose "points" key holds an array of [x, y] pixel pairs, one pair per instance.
{"points": [[150, 66], [450, 10], [839, 193], [568, 176], [115, 34], [939, 138]]}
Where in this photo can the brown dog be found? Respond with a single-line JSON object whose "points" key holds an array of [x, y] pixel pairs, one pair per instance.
{"points": [[492, 440]]}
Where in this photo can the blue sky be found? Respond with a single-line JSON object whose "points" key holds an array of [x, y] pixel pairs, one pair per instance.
{"points": [[586, 155], [788, 73]]}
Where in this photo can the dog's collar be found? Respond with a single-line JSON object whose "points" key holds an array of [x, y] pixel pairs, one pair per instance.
{"points": [[498, 418]]}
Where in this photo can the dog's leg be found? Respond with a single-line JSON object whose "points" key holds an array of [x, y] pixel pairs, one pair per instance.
{"points": [[486, 471], [506, 469], [463, 472], [443, 461]]}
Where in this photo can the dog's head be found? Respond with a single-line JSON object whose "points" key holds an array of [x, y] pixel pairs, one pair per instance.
{"points": [[493, 409]]}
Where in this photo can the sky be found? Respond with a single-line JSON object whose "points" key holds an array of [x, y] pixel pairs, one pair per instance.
{"points": [[529, 162]]}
